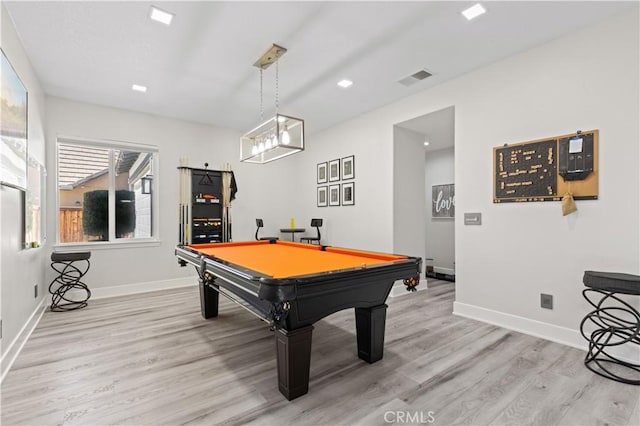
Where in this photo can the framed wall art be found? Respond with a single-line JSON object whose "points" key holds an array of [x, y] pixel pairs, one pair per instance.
{"points": [[334, 170], [334, 195], [13, 128], [348, 193], [322, 173], [322, 196], [348, 167], [443, 201]]}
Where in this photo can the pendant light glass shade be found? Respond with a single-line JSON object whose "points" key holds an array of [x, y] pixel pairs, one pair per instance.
{"points": [[286, 137]]}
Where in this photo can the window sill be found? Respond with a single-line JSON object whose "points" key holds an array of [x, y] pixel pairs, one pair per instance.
{"points": [[107, 245]]}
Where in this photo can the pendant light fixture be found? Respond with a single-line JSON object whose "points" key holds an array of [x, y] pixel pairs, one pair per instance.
{"points": [[279, 136]]}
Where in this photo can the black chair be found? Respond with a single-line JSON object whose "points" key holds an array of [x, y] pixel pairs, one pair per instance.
{"points": [[260, 224], [316, 223], [612, 323]]}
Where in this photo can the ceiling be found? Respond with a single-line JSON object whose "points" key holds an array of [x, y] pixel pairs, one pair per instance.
{"points": [[201, 69], [437, 127]]}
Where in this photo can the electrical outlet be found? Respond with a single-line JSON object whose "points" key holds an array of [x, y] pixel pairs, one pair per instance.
{"points": [[546, 301], [35, 291]]}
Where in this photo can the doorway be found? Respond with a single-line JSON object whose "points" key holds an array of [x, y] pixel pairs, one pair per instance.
{"points": [[431, 138]]}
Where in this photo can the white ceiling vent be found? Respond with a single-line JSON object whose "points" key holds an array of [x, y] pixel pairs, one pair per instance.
{"points": [[415, 77]]}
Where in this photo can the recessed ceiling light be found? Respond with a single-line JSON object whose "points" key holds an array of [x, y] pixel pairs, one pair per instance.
{"points": [[426, 143], [161, 15], [139, 88], [345, 83], [474, 11]]}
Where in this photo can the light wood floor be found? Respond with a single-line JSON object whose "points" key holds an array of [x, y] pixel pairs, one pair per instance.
{"points": [[151, 359]]}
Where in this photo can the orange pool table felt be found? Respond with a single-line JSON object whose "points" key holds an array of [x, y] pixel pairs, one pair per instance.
{"points": [[285, 259]]}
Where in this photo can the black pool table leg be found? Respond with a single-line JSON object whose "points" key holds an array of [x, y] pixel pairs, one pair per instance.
{"points": [[370, 323], [293, 353], [208, 299]]}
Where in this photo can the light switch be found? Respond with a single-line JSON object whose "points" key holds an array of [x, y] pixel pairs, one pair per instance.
{"points": [[473, 218]]}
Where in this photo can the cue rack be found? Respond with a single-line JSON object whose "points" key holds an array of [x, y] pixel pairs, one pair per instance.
{"points": [[204, 208]]}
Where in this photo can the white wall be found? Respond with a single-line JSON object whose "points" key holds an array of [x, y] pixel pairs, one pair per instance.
{"points": [[440, 235], [368, 223], [586, 80], [262, 190], [408, 192], [20, 269], [524, 249], [269, 191]]}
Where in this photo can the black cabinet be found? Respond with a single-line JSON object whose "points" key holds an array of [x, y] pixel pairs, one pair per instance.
{"points": [[205, 202]]}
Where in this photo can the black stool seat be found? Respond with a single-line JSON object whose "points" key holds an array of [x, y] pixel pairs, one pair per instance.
{"points": [[70, 271], [612, 281], [58, 256], [613, 323]]}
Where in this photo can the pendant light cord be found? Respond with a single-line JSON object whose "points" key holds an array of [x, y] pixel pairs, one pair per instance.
{"points": [[261, 109], [277, 101]]}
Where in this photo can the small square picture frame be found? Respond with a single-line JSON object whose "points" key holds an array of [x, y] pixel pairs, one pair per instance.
{"points": [[321, 175], [334, 170], [322, 198], [334, 195], [347, 167], [348, 194]]}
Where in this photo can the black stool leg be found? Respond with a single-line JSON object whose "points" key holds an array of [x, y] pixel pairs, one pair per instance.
{"points": [[68, 279], [613, 325]]}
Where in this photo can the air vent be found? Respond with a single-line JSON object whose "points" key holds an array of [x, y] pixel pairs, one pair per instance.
{"points": [[414, 78]]}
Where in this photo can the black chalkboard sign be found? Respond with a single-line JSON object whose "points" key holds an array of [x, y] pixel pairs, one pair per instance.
{"points": [[541, 170], [526, 172]]}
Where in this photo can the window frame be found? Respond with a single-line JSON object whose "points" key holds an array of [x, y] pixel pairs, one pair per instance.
{"points": [[113, 242]]}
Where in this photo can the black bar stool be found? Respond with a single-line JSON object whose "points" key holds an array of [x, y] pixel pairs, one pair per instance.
{"points": [[69, 275], [613, 323]]}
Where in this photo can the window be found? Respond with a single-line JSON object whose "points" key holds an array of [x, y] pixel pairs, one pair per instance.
{"points": [[105, 191]]}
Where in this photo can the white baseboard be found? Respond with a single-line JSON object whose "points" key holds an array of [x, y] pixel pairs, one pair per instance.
{"points": [[12, 352], [399, 289], [135, 288], [563, 335], [446, 271]]}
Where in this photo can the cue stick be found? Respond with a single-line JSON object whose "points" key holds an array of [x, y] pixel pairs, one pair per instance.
{"points": [[188, 199], [181, 207], [229, 218], [226, 200]]}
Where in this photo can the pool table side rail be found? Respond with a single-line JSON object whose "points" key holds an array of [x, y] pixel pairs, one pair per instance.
{"points": [[365, 288]]}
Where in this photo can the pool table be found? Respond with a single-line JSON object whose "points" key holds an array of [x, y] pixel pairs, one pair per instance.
{"points": [[292, 285]]}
